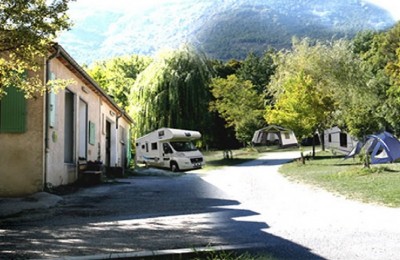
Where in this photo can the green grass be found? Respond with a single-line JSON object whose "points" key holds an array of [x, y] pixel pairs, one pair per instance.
{"points": [[225, 255], [215, 159], [380, 184]]}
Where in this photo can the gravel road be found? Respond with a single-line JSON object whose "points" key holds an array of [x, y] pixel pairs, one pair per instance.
{"points": [[247, 205], [329, 225]]}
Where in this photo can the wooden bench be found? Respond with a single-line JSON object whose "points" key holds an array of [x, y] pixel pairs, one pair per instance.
{"points": [[89, 173]]}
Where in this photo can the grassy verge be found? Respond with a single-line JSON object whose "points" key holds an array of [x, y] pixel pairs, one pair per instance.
{"points": [[231, 255], [380, 184], [211, 254], [216, 159]]}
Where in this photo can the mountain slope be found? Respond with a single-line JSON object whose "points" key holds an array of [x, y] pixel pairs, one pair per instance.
{"points": [[222, 29]]}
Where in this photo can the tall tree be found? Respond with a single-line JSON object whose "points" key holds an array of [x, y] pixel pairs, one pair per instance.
{"points": [[362, 42], [173, 92], [341, 79], [27, 30], [224, 69], [301, 106], [117, 76], [258, 70], [223, 137], [383, 59], [302, 69], [358, 99], [239, 103]]}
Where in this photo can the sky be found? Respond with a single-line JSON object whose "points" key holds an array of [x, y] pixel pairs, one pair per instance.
{"points": [[80, 8], [393, 6]]}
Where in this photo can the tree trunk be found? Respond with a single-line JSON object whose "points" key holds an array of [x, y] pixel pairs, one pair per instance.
{"points": [[313, 146], [322, 137], [367, 163]]}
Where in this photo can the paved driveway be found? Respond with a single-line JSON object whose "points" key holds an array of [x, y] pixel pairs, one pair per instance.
{"points": [[246, 205]]}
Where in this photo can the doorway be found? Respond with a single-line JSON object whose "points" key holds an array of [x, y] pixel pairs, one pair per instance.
{"points": [[69, 127], [108, 143]]}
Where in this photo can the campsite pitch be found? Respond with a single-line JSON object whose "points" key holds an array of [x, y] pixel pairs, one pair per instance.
{"points": [[379, 184]]}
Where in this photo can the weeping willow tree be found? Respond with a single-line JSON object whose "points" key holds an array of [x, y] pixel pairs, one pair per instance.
{"points": [[172, 92]]}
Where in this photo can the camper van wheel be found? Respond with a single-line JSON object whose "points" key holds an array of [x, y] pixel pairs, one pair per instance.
{"points": [[174, 167]]}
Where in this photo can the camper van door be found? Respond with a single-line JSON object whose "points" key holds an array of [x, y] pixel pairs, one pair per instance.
{"points": [[156, 153], [167, 154]]}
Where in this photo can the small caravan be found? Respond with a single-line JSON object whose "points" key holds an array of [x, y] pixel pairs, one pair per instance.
{"points": [[169, 148], [339, 140]]}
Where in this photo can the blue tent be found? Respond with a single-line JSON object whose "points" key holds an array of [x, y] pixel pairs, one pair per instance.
{"points": [[384, 148], [356, 150]]}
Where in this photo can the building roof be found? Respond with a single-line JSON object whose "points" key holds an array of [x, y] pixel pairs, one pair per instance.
{"points": [[71, 64]]}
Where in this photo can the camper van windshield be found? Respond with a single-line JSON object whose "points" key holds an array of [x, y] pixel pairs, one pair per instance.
{"points": [[183, 146]]}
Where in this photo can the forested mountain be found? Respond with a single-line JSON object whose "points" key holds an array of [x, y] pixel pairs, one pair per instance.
{"points": [[222, 29]]}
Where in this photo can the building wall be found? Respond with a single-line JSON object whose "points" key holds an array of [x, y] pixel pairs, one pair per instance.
{"points": [[61, 172], [118, 133], [28, 166], [124, 142], [98, 113], [21, 154]]}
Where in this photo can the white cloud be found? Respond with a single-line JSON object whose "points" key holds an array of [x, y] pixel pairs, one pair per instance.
{"points": [[392, 6], [81, 9]]}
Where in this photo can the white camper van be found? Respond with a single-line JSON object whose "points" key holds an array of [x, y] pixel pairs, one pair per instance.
{"points": [[169, 148]]}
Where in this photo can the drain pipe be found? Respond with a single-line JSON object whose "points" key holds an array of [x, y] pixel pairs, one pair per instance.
{"points": [[46, 118]]}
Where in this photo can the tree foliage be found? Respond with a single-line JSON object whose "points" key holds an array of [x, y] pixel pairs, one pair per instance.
{"points": [[300, 78], [357, 98], [224, 69], [118, 75], [378, 98], [300, 106], [384, 58], [343, 83], [27, 29], [173, 92], [240, 86], [239, 103], [258, 70], [352, 84]]}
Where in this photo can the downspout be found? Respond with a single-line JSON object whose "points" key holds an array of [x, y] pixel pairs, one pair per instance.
{"points": [[46, 118]]}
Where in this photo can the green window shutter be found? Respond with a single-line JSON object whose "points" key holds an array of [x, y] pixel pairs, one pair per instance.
{"points": [[92, 133], [52, 104], [13, 112]]}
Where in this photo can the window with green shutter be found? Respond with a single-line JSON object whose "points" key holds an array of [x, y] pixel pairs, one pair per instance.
{"points": [[13, 112], [92, 133]]}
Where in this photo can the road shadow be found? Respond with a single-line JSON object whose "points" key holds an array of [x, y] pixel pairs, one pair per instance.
{"points": [[148, 213], [265, 161]]}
